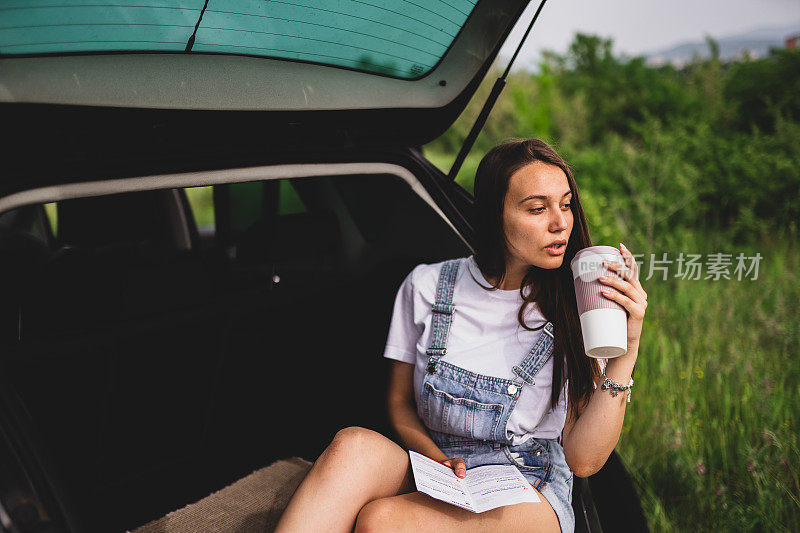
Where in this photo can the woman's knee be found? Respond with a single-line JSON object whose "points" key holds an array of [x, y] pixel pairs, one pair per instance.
{"points": [[378, 462], [377, 516], [355, 441]]}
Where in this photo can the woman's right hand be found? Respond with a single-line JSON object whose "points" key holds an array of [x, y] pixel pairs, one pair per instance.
{"points": [[458, 465]]}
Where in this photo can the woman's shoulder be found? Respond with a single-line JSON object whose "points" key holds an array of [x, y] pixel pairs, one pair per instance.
{"points": [[425, 276]]}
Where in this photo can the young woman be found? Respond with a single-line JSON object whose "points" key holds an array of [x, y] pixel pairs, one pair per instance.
{"points": [[489, 368]]}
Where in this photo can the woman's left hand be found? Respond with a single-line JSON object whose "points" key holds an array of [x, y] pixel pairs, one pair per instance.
{"points": [[633, 297]]}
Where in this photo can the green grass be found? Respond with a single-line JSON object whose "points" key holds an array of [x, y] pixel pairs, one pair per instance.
{"points": [[711, 433]]}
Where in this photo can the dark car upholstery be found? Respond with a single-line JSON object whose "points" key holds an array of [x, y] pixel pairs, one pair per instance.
{"points": [[147, 374]]}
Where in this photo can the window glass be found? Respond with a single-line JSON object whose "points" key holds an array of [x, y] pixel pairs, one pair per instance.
{"points": [[247, 202], [288, 200], [399, 38], [38, 220], [201, 201], [52, 217], [232, 209]]}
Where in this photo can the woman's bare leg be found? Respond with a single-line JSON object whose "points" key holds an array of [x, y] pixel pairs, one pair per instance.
{"points": [[359, 465], [415, 512]]}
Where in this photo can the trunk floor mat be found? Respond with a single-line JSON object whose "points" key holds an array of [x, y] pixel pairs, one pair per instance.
{"points": [[251, 504]]}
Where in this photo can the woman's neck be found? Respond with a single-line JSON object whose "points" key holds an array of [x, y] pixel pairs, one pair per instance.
{"points": [[510, 282], [515, 273]]}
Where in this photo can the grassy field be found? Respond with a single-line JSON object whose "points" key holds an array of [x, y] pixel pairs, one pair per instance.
{"points": [[711, 433]]}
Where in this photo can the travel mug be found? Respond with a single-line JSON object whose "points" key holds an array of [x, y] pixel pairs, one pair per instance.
{"points": [[603, 321]]}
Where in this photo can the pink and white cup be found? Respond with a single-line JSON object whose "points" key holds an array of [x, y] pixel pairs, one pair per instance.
{"points": [[604, 322]]}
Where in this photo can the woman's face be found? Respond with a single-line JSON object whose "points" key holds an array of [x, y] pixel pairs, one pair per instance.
{"points": [[536, 213]]}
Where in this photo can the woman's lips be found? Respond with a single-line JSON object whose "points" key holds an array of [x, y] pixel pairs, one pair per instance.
{"points": [[556, 250]]}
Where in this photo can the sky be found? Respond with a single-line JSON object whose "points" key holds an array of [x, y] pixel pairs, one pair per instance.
{"points": [[638, 27]]}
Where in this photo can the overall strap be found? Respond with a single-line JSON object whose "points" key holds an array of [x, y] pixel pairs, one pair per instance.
{"points": [[443, 310], [537, 357]]}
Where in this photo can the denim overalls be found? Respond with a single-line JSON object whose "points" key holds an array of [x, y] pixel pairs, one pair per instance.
{"points": [[467, 413]]}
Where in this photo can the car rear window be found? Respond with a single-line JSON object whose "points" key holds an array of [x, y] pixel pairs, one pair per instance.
{"points": [[400, 38]]}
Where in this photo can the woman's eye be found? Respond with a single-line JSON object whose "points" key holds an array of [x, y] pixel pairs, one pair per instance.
{"points": [[540, 209]]}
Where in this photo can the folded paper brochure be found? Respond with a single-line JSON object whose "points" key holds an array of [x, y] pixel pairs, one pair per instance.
{"points": [[484, 488]]}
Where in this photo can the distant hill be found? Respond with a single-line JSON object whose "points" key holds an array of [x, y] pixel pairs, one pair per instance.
{"points": [[756, 42]]}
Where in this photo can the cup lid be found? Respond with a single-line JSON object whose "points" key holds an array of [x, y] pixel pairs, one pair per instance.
{"points": [[594, 250]]}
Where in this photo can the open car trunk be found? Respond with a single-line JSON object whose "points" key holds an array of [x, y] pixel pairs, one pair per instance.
{"points": [[148, 369]]}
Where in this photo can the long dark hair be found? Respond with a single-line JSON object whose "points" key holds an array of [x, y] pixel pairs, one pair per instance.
{"points": [[551, 289]]}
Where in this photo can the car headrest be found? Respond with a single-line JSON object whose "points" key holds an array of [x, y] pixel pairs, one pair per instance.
{"points": [[306, 235], [102, 220], [294, 237]]}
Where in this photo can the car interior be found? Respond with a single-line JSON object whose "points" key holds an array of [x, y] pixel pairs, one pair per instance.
{"points": [[150, 362]]}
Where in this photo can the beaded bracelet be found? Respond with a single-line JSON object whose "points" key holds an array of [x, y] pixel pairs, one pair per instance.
{"points": [[614, 388]]}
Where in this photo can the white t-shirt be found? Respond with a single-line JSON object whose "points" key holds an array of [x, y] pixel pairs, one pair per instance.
{"points": [[485, 337]]}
